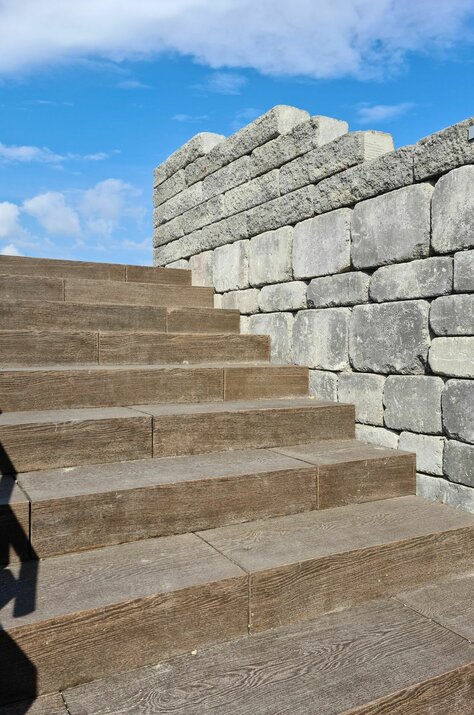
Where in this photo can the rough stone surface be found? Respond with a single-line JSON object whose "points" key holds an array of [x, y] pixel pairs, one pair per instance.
{"points": [[428, 450], [443, 151], [226, 178], [168, 232], [459, 462], [320, 338], [392, 228], [452, 356], [169, 188], [390, 337], [177, 205], [441, 490], [464, 271], [230, 267], [203, 215], [323, 385], [453, 211], [201, 267], [453, 315], [342, 289], [458, 409], [283, 296], [377, 435], [365, 391], [193, 149], [322, 244], [225, 231], [387, 173], [334, 157], [270, 257], [182, 263], [413, 402], [279, 327], [244, 300], [282, 211], [424, 278], [258, 191]]}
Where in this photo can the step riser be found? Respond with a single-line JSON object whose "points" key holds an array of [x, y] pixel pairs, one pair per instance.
{"points": [[21, 348]]}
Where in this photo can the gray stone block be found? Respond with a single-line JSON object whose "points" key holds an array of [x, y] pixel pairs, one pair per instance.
{"points": [[365, 391], [168, 232], [424, 278], [428, 450], [334, 157], [387, 173], [314, 132], [203, 215], [390, 337], [182, 263], [342, 289], [270, 257], [279, 327], [226, 178], [413, 402], [440, 490], [322, 245], [323, 385], [244, 300], [230, 267], [253, 193], [458, 409], [226, 231], [282, 211], [453, 315], [320, 338], [177, 205], [453, 211], [196, 147], [169, 188], [444, 150], [452, 356], [377, 435], [459, 462], [201, 267], [283, 296], [392, 228], [464, 271]]}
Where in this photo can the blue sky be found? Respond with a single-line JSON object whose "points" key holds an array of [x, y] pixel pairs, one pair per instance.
{"points": [[91, 99]]}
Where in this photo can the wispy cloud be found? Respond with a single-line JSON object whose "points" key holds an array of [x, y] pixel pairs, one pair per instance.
{"points": [[53, 214], [10, 250], [222, 83], [379, 113], [244, 116], [132, 84], [42, 155], [189, 117]]}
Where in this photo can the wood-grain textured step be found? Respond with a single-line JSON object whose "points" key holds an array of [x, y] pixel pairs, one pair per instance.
{"points": [[31, 288], [50, 439], [84, 291], [48, 347], [380, 659], [44, 705], [114, 609], [14, 522], [303, 565], [201, 320]]}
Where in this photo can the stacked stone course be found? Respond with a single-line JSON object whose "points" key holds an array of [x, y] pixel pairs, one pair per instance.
{"points": [[357, 260]]}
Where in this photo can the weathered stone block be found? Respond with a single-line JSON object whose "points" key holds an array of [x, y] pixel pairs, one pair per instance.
{"points": [[392, 228], [453, 211], [377, 435], [443, 151], [323, 385], [334, 157], [464, 271], [366, 393], [182, 263], [428, 450], [196, 147], [244, 300], [168, 232], [390, 337], [258, 191], [342, 289], [230, 266], [458, 409], [283, 296], [228, 230], [413, 402], [459, 462], [418, 279], [387, 173], [179, 204], [282, 211], [453, 315], [279, 327], [201, 267], [270, 257], [322, 244], [169, 188], [441, 490], [203, 215], [226, 178], [452, 356], [320, 338]]}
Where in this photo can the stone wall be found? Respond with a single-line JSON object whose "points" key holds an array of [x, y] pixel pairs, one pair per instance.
{"points": [[357, 259]]}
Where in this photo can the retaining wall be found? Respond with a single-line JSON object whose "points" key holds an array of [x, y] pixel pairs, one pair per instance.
{"points": [[358, 261]]}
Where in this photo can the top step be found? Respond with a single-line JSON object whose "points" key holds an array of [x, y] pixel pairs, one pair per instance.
{"points": [[15, 265]]}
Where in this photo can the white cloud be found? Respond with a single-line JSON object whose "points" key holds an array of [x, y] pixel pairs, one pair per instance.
{"points": [[378, 113], [189, 117], [10, 250], [222, 83], [53, 214], [104, 205], [42, 155], [9, 214], [132, 84]]}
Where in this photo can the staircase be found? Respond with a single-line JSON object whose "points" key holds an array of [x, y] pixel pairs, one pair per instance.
{"points": [[166, 493]]}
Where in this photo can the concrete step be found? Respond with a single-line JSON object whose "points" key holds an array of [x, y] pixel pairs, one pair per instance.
{"points": [[39, 315], [70, 290], [66, 438], [49, 388], [86, 507], [53, 268], [28, 348], [86, 616]]}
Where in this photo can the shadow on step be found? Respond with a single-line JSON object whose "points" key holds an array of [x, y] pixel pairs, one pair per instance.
{"points": [[18, 585]]}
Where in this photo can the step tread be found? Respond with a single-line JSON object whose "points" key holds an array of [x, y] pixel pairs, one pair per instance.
{"points": [[338, 452], [167, 367], [234, 406], [14, 419], [45, 705], [329, 666]]}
